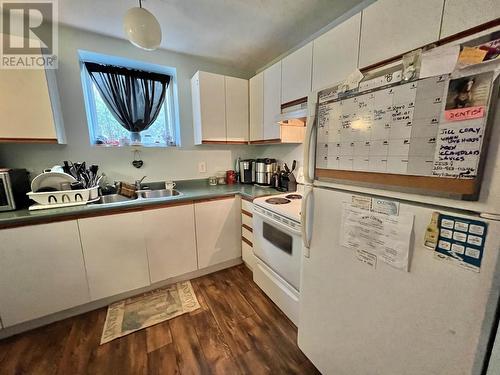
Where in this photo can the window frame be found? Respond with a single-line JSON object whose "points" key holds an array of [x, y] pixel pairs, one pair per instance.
{"points": [[171, 103]]}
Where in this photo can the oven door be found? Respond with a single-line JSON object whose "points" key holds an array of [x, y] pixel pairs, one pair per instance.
{"points": [[278, 246]]}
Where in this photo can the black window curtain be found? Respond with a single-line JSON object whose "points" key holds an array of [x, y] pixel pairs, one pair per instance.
{"points": [[134, 97]]}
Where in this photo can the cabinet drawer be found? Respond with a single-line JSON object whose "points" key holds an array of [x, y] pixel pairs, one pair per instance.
{"points": [[247, 255], [246, 206], [247, 220], [247, 234]]}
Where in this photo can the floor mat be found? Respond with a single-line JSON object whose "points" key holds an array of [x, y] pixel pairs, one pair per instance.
{"points": [[145, 310]]}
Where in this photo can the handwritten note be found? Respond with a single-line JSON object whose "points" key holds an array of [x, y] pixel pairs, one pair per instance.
{"points": [[458, 149], [464, 113]]}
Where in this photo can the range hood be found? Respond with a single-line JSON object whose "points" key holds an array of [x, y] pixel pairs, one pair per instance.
{"points": [[293, 113]]}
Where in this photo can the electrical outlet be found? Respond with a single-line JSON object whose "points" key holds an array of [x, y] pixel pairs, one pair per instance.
{"points": [[202, 167]]}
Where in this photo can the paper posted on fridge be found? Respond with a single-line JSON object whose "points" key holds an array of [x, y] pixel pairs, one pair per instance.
{"points": [[385, 236]]}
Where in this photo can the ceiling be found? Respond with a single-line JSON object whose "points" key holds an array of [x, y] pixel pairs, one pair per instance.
{"points": [[246, 34]]}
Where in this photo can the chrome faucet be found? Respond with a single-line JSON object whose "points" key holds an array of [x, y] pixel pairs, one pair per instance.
{"points": [[138, 183]]}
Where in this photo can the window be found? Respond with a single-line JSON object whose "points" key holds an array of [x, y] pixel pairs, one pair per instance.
{"points": [[104, 128]]}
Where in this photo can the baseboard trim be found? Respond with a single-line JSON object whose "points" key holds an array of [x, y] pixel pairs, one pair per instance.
{"points": [[32, 324]]}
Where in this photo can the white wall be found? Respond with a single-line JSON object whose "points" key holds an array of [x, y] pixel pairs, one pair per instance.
{"points": [[285, 153], [116, 162]]}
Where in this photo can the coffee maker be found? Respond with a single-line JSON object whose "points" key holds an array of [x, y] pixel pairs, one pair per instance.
{"points": [[247, 171]]}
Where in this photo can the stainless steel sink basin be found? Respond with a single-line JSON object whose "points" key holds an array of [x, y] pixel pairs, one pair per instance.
{"points": [[113, 198], [148, 194]]}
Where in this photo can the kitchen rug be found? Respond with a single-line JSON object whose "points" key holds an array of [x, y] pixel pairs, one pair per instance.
{"points": [[145, 310]]}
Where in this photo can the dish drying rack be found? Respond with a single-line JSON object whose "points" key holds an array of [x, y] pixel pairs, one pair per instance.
{"points": [[63, 198]]}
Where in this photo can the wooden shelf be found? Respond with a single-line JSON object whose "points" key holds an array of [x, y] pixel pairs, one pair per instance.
{"points": [[224, 142], [28, 140], [437, 184]]}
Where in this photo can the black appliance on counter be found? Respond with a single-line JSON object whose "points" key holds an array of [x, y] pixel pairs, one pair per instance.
{"points": [[14, 184], [247, 171], [286, 179]]}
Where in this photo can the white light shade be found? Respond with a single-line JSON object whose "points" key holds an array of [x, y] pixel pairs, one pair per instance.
{"points": [[142, 29]]}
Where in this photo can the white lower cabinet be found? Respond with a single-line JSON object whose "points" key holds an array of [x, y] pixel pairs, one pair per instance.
{"points": [[47, 268], [115, 253], [170, 241], [218, 233], [41, 271]]}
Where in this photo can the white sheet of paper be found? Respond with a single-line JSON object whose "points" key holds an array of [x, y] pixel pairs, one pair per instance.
{"points": [[352, 81], [386, 236], [439, 60]]}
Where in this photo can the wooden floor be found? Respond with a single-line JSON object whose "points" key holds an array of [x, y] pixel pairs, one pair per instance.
{"points": [[237, 330]]}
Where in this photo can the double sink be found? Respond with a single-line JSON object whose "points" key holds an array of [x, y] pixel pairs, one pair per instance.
{"points": [[141, 194]]}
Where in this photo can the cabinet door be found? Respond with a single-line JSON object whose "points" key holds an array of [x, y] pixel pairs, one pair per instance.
{"points": [[25, 106], [392, 27], [218, 231], [236, 109], [209, 100], [335, 53], [170, 241], [460, 15], [115, 253], [272, 101], [257, 107], [41, 271], [296, 77]]}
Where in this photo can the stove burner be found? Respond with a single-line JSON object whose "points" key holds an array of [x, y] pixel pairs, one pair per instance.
{"points": [[293, 196], [277, 200]]}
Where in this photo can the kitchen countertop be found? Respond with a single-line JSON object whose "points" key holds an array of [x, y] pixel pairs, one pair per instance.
{"points": [[191, 190]]}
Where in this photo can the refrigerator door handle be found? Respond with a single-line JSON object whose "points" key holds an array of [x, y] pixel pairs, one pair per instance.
{"points": [[311, 121], [305, 226]]}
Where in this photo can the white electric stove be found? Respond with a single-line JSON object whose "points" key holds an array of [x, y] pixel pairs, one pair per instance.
{"points": [[278, 248]]}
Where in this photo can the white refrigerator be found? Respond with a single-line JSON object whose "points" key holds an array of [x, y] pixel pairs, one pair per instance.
{"points": [[435, 319]]}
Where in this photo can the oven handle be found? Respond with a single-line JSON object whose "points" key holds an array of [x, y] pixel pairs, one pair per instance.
{"points": [[305, 236], [277, 223]]}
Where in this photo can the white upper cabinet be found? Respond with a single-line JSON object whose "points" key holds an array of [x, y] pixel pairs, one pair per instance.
{"points": [[41, 271], [29, 106], [257, 107], [220, 108], [115, 253], [209, 107], [218, 230], [296, 74], [335, 53], [392, 27], [272, 102], [236, 109], [170, 241], [460, 15]]}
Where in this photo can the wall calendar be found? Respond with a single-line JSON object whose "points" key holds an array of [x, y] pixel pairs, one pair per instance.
{"points": [[429, 127]]}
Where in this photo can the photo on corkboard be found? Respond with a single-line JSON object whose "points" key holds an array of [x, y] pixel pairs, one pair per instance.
{"points": [[470, 91], [468, 97]]}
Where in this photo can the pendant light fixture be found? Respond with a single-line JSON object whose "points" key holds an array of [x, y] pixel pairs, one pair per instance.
{"points": [[142, 28]]}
